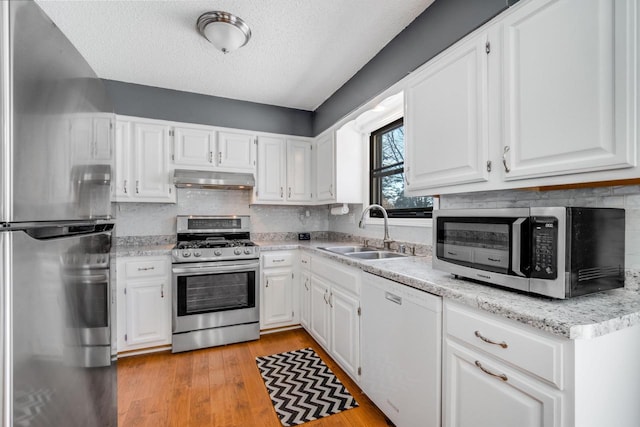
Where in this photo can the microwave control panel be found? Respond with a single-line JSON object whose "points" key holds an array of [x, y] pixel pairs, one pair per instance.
{"points": [[544, 241]]}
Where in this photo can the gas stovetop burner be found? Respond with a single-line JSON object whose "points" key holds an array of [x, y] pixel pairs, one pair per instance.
{"points": [[213, 243], [214, 238]]}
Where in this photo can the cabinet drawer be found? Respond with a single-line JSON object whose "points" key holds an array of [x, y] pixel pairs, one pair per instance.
{"points": [[523, 347], [305, 261], [277, 259], [343, 276], [143, 268]]}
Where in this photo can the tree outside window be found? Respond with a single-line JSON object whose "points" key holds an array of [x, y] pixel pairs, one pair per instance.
{"points": [[387, 176]]}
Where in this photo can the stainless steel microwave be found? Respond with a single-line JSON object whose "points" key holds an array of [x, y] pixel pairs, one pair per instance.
{"points": [[560, 252]]}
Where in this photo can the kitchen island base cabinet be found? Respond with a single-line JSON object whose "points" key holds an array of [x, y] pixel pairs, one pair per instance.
{"points": [[401, 351]]}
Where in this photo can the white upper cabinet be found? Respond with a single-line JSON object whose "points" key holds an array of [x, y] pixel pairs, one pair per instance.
{"points": [[545, 94], [142, 163], [325, 168], [91, 138], [338, 165], [207, 148], [284, 170], [565, 89], [237, 151], [193, 147], [298, 170], [446, 119], [151, 161], [271, 169]]}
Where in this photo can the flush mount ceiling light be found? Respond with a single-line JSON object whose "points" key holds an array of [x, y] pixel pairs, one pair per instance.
{"points": [[225, 31]]}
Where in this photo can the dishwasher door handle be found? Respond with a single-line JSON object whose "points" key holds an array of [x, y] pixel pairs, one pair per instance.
{"points": [[393, 298]]}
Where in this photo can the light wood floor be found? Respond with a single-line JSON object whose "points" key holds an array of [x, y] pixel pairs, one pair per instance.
{"points": [[220, 386]]}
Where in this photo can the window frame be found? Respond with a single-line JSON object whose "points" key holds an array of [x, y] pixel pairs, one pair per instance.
{"points": [[376, 172]]}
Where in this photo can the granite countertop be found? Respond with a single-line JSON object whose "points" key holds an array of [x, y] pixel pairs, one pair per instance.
{"points": [[142, 250], [583, 317]]}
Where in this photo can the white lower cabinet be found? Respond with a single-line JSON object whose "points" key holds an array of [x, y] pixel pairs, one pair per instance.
{"points": [[278, 295], [498, 373], [401, 351], [305, 290], [334, 320], [144, 302], [483, 392]]}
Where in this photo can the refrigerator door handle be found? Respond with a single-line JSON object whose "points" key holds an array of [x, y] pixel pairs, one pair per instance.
{"points": [[45, 231]]}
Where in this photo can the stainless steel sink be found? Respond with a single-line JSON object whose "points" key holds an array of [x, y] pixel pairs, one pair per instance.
{"points": [[363, 252], [349, 249], [378, 254]]}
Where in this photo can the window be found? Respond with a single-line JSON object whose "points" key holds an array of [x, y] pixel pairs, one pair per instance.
{"points": [[386, 177]]}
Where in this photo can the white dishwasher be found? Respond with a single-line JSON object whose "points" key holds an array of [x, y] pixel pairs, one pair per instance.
{"points": [[401, 351]]}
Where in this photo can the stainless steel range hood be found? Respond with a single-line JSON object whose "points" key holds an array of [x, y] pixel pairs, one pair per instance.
{"points": [[184, 178]]}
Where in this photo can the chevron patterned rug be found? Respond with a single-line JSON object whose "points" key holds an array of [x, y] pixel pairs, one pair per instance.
{"points": [[302, 388]]}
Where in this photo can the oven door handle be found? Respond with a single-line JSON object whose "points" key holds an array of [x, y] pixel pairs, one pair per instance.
{"points": [[220, 269]]}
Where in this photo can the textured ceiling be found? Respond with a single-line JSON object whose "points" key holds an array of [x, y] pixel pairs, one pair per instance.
{"points": [[300, 53]]}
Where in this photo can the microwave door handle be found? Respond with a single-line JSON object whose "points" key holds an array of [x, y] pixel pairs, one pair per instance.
{"points": [[516, 246]]}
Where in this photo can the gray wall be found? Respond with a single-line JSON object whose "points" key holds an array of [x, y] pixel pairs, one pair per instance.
{"points": [[438, 27], [166, 104]]}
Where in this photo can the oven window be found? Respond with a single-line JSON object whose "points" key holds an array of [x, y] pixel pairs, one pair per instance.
{"points": [[216, 292]]}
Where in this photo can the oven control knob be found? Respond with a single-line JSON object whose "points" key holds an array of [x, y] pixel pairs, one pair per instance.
{"points": [[186, 254], [197, 254], [217, 252], [247, 251], [237, 251]]}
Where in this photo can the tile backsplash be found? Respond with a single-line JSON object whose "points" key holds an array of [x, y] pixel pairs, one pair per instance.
{"points": [[149, 219]]}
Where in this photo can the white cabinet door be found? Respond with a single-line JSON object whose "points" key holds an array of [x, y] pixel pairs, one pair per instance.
{"points": [[148, 309], [151, 162], [345, 330], [481, 392], [305, 299], [143, 302], [102, 139], [325, 169], [124, 152], [298, 170], [320, 314], [566, 89], [91, 139], [446, 120], [277, 294], [193, 147], [236, 151], [271, 169]]}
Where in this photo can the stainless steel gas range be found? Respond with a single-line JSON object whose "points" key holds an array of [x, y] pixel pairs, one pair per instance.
{"points": [[216, 282]]}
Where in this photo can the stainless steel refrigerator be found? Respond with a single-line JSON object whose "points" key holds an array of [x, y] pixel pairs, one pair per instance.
{"points": [[58, 365]]}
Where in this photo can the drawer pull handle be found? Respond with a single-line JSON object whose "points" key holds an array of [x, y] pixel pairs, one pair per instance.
{"points": [[393, 298], [278, 260], [487, 340], [452, 253], [306, 284], [146, 268], [503, 377], [325, 297], [493, 259]]}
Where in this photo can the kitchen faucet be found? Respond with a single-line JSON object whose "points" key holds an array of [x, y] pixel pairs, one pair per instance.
{"points": [[386, 241]]}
